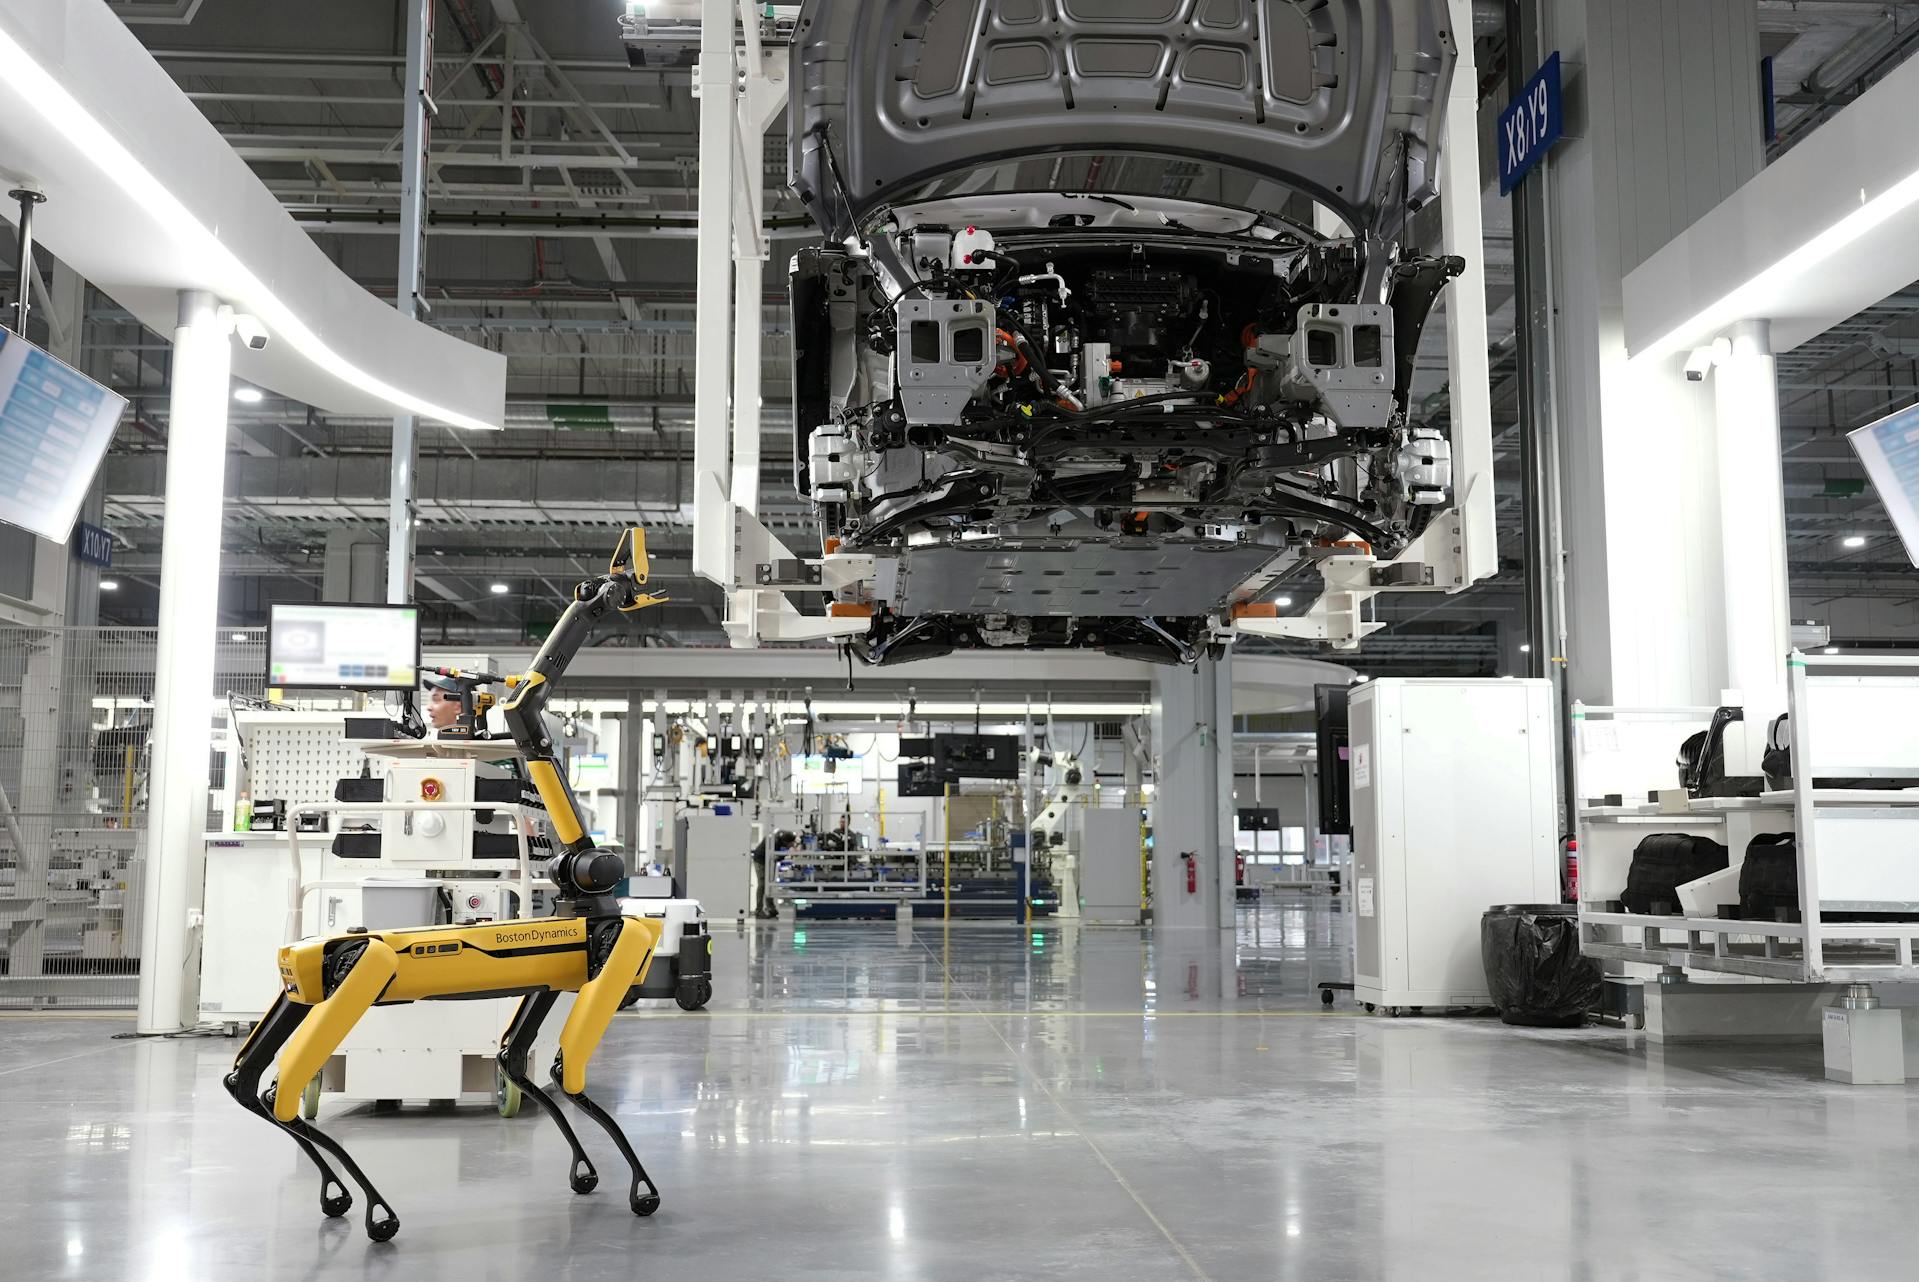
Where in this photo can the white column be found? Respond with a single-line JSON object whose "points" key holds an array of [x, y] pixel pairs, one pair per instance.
{"points": [[713, 305], [1192, 735], [749, 272], [1663, 117], [183, 682], [413, 144], [1469, 382], [1752, 515]]}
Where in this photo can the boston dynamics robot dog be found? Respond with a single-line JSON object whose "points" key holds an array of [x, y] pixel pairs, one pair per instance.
{"points": [[587, 946]]}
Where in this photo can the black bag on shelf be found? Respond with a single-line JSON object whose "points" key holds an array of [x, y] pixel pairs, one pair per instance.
{"points": [[1769, 879], [1534, 969], [1665, 861]]}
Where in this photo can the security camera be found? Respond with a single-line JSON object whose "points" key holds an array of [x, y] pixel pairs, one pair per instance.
{"points": [[251, 331], [1699, 364]]}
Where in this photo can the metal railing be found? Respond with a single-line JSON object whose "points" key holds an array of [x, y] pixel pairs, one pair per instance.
{"points": [[76, 713]]}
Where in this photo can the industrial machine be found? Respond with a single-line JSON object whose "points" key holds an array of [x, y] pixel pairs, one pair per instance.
{"points": [[712, 861], [1452, 810], [589, 946]]}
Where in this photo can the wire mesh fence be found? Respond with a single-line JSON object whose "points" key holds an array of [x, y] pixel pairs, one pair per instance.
{"points": [[76, 716]]}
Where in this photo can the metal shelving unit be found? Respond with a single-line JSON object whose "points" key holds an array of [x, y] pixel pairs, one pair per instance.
{"points": [[1851, 717]]}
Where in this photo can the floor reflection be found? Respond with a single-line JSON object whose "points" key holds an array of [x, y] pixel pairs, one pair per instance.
{"points": [[991, 1102], [1277, 950]]}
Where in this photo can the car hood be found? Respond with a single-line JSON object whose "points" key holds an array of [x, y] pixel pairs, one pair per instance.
{"points": [[1339, 99]]}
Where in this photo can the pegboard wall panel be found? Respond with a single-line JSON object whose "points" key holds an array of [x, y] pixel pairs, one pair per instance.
{"points": [[297, 761]]}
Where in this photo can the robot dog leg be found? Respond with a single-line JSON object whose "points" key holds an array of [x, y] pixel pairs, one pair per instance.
{"points": [[356, 972], [628, 951], [515, 1046], [243, 1083]]}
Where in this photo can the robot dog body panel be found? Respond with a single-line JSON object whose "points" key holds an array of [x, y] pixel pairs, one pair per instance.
{"points": [[342, 976]]}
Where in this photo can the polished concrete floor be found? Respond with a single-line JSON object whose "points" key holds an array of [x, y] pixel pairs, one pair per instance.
{"points": [[983, 1102]]}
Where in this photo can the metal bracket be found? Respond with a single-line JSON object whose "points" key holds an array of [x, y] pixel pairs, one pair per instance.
{"points": [[1404, 574], [788, 574]]}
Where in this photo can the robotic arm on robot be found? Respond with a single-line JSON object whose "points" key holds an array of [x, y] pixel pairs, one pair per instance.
{"points": [[579, 873]]}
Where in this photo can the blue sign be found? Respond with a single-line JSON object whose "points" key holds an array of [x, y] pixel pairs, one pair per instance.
{"points": [[1529, 126], [93, 545]]}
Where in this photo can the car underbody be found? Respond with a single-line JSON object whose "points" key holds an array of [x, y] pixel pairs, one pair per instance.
{"points": [[1058, 412]]}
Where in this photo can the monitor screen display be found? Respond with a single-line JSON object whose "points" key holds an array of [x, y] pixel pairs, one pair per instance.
{"points": [[1889, 450], [55, 425], [343, 647]]}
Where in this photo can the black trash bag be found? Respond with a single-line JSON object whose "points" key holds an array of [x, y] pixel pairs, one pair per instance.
{"points": [[1534, 969]]}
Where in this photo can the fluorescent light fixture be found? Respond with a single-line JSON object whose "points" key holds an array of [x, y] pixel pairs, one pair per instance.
{"points": [[1831, 649], [1752, 300], [1854, 541], [1525, 649], [499, 589], [248, 395], [63, 114], [109, 585], [1282, 601], [236, 636]]}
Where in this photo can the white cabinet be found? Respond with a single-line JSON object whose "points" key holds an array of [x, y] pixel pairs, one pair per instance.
{"points": [[1453, 813]]}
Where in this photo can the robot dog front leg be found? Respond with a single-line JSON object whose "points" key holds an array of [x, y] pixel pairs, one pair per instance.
{"points": [[626, 944], [355, 976], [243, 1083]]}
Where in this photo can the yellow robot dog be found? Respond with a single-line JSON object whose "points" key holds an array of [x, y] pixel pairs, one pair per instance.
{"points": [[586, 946]]}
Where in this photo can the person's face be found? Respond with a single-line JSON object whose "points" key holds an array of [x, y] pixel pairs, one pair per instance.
{"points": [[442, 709]]}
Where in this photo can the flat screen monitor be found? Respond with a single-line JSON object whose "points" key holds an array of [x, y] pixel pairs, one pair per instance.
{"points": [[55, 425], [1889, 450], [343, 647]]}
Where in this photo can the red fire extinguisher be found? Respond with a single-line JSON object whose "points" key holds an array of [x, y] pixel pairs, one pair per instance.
{"points": [[1192, 873], [1572, 870]]}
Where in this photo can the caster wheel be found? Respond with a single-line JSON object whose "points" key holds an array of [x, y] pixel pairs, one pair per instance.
{"points": [[695, 995], [1325, 997], [310, 1100], [382, 1230], [1370, 1008], [1392, 1012], [584, 1182], [506, 1095], [646, 1204]]}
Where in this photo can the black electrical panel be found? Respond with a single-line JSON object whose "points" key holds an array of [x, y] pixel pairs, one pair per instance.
{"points": [[1333, 726], [977, 756], [928, 766], [920, 779]]}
